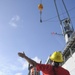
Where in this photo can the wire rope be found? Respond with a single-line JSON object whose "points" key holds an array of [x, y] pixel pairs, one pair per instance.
{"points": [[60, 15]]}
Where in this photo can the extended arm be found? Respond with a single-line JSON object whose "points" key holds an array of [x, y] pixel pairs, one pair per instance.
{"points": [[29, 60]]}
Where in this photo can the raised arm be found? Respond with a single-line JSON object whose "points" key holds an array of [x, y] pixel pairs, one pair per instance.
{"points": [[29, 60]]}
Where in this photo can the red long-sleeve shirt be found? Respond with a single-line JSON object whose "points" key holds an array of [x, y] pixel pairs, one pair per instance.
{"points": [[47, 69]]}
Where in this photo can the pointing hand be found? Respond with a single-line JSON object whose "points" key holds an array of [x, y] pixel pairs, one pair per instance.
{"points": [[21, 54]]}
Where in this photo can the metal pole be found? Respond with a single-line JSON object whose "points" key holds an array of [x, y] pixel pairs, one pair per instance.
{"points": [[59, 17], [67, 12], [65, 8], [57, 11]]}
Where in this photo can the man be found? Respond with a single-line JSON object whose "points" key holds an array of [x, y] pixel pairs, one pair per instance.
{"points": [[48, 69]]}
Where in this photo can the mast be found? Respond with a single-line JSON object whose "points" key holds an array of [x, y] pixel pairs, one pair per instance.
{"points": [[66, 26]]}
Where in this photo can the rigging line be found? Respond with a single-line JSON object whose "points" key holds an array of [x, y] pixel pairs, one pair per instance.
{"points": [[60, 15], [73, 17], [53, 21], [50, 18], [71, 9]]}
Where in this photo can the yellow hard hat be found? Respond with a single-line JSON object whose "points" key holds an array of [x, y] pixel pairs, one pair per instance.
{"points": [[57, 57]]}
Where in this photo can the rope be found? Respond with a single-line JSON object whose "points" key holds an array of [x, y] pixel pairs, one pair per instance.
{"points": [[60, 15]]}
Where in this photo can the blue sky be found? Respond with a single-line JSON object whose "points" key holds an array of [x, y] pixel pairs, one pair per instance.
{"points": [[21, 30]]}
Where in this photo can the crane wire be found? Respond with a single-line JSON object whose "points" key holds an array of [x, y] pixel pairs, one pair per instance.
{"points": [[55, 20], [60, 15], [40, 12]]}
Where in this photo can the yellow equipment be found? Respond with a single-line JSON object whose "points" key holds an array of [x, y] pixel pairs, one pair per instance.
{"points": [[57, 57], [40, 7]]}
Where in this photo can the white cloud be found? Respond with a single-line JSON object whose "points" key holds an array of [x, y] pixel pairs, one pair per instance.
{"points": [[37, 59], [15, 18], [11, 68], [25, 63], [14, 21]]}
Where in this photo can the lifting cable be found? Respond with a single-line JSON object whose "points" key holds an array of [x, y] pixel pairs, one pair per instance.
{"points": [[40, 7], [60, 15]]}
